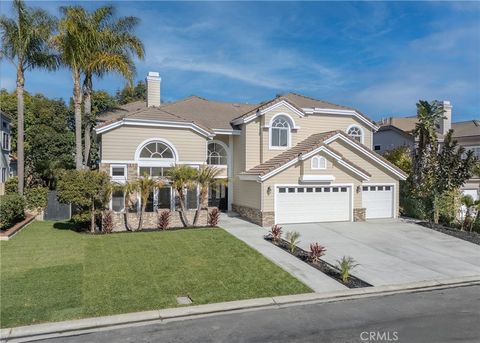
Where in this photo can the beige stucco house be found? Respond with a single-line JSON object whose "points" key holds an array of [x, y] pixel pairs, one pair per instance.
{"points": [[291, 159]]}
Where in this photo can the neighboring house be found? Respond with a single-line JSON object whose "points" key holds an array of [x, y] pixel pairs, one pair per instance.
{"points": [[291, 159], [397, 131], [5, 131]]}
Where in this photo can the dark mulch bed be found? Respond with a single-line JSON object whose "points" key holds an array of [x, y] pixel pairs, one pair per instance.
{"points": [[472, 237], [324, 267]]}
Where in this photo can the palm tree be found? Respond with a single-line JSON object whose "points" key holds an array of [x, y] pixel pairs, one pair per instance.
{"points": [[25, 44], [183, 178], [143, 186], [73, 43], [206, 177], [111, 49]]}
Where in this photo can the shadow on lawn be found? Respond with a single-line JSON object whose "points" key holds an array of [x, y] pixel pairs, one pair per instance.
{"points": [[65, 226]]}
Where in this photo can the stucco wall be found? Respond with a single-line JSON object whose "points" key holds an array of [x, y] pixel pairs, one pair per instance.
{"points": [[389, 140]]}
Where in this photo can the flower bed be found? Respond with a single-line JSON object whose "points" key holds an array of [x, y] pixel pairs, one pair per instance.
{"points": [[324, 267], [470, 236]]}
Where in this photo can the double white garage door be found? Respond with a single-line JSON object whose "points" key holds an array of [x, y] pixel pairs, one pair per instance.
{"points": [[308, 204]]}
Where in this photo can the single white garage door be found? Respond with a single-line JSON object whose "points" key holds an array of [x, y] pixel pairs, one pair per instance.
{"points": [[378, 201], [301, 204]]}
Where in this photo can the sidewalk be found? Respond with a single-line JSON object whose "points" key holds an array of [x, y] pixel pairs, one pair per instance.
{"points": [[252, 235]]}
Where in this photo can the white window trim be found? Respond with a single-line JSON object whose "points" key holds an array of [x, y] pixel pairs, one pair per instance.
{"points": [[227, 152], [120, 179], [153, 160], [292, 126], [362, 139], [319, 159], [110, 206]]}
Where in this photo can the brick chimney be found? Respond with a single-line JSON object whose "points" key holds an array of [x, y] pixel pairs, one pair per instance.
{"points": [[446, 123], [153, 89]]}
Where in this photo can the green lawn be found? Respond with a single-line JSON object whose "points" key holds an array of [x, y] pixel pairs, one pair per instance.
{"points": [[52, 274]]}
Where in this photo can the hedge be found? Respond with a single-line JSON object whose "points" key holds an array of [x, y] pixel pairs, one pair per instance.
{"points": [[11, 210]]}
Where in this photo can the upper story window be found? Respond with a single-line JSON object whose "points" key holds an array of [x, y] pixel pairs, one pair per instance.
{"points": [[5, 141], [280, 133], [356, 133], [217, 154], [156, 150], [319, 162]]}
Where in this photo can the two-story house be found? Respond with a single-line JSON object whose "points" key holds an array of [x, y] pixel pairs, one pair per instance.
{"points": [[394, 132], [5, 135], [291, 159]]}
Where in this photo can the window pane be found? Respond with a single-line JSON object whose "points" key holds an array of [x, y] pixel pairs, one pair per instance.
{"points": [[283, 138], [387, 188], [223, 160], [144, 170], [275, 137], [300, 190], [309, 190], [118, 171], [318, 190], [165, 171], [343, 189], [117, 201], [365, 188], [191, 199], [372, 188], [164, 197], [149, 207], [380, 188], [156, 171], [291, 190], [281, 190], [335, 189], [322, 163], [326, 189]]}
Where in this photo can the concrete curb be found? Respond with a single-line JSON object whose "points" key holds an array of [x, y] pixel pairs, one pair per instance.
{"points": [[65, 328]]}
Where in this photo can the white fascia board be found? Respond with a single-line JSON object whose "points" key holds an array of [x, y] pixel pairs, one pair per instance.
{"points": [[338, 158], [283, 103], [368, 153], [341, 112], [317, 178], [246, 119], [279, 169], [228, 132], [248, 177], [154, 123]]}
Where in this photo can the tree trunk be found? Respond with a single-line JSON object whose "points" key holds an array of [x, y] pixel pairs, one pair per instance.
{"points": [[92, 221], [77, 105], [142, 211], [20, 131], [201, 200], [183, 215], [87, 112]]}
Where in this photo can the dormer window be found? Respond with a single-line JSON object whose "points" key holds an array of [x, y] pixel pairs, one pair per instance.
{"points": [[356, 133], [319, 162], [280, 133]]}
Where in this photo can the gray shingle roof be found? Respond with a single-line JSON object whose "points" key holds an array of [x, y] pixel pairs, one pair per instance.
{"points": [[466, 128]]}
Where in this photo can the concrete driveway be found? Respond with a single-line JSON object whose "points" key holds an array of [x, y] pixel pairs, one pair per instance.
{"points": [[392, 251]]}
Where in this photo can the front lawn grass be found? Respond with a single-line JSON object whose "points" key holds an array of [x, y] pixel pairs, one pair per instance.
{"points": [[49, 273]]}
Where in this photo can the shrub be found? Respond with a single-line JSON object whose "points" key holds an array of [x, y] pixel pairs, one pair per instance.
{"points": [[346, 265], [81, 220], [276, 232], [107, 222], [293, 240], [316, 251], [11, 185], [213, 217], [164, 219], [11, 210], [36, 198]]}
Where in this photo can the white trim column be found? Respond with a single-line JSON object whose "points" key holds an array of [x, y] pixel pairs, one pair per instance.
{"points": [[230, 173]]}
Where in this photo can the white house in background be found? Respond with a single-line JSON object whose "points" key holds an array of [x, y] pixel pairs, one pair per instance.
{"points": [[5, 135], [394, 132]]}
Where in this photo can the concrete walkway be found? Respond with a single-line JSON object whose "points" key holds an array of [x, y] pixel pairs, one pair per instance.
{"points": [[252, 235]]}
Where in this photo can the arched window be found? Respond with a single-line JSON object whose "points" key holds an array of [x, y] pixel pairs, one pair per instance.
{"points": [[156, 150], [319, 162], [280, 133], [217, 155], [356, 133]]}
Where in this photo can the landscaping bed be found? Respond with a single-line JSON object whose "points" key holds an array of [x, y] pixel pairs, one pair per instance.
{"points": [[51, 273], [6, 234], [321, 265], [472, 237]]}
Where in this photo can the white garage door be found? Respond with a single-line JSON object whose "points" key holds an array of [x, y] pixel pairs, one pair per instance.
{"points": [[301, 204], [378, 201]]}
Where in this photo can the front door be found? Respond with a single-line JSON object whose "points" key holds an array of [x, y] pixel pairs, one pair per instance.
{"points": [[218, 197]]}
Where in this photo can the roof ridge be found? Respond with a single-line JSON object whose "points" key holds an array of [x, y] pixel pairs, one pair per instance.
{"points": [[315, 99]]}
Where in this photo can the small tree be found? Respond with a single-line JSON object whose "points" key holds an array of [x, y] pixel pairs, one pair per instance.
{"points": [[205, 178], [84, 188], [401, 157], [142, 186], [183, 178]]}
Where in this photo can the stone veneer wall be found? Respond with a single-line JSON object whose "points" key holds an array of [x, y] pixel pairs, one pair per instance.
{"points": [[359, 214], [150, 220], [255, 215]]}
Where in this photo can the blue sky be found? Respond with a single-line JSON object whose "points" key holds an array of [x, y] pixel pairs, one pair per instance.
{"points": [[379, 57]]}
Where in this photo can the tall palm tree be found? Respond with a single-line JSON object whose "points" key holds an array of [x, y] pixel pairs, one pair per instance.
{"points": [[206, 177], [73, 43], [113, 48], [25, 44]]}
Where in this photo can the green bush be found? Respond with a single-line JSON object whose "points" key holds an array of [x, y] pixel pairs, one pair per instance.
{"points": [[11, 210], [11, 185], [36, 198], [410, 205]]}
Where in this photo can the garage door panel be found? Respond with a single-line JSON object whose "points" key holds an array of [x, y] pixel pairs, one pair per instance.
{"points": [[378, 201], [313, 204]]}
